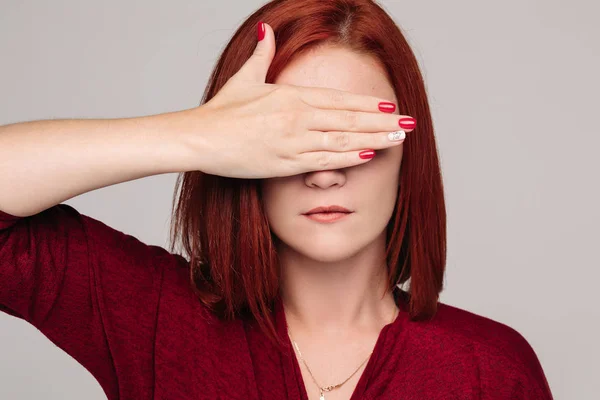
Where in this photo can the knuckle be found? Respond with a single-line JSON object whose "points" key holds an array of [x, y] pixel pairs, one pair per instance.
{"points": [[342, 140], [286, 155], [336, 99], [326, 140], [286, 121], [283, 96], [290, 95], [351, 119], [324, 159], [296, 121]]}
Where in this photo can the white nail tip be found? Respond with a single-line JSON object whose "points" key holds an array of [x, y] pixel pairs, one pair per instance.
{"points": [[398, 135]]}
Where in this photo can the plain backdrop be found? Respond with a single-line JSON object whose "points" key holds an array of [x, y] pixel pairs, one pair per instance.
{"points": [[513, 87]]}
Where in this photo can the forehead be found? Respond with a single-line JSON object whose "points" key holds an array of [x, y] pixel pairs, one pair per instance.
{"points": [[338, 68]]}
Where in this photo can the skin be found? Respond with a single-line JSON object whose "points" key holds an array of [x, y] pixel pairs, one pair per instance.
{"points": [[333, 275]]}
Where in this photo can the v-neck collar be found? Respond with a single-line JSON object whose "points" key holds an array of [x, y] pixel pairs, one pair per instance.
{"points": [[294, 382]]}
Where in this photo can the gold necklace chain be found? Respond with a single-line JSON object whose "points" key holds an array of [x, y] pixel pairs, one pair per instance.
{"points": [[324, 389]]}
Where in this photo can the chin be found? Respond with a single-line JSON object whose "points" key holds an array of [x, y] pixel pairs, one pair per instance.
{"points": [[327, 251]]}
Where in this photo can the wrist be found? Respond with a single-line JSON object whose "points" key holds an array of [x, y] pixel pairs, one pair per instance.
{"points": [[176, 137]]}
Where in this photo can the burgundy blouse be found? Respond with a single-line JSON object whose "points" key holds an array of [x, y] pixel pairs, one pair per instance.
{"points": [[126, 312]]}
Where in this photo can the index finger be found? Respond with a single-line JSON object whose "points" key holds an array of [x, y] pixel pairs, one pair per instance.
{"points": [[335, 99]]}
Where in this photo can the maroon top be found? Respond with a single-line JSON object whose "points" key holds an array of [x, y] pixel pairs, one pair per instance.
{"points": [[126, 312]]}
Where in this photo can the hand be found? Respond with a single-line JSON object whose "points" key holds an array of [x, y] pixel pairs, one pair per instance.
{"points": [[251, 129]]}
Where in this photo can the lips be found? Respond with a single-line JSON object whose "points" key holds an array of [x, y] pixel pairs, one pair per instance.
{"points": [[329, 209]]}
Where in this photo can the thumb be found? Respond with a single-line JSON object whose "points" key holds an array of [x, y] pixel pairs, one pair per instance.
{"points": [[257, 66]]}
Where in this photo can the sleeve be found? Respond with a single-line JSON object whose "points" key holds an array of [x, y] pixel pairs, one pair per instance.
{"points": [[513, 371], [91, 289], [529, 380]]}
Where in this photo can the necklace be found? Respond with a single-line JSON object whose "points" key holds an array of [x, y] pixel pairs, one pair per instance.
{"points": [[324, 389]]}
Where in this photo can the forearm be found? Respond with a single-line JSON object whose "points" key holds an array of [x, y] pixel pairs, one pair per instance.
{"points": [[43, 163]]}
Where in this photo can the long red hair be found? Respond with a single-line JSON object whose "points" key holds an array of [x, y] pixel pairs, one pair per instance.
{"points": [[221, 221]]}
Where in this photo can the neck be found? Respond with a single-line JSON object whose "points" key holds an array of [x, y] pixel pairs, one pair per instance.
{"points": [[334, 298]]}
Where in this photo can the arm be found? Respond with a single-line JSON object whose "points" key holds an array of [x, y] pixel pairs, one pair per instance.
{"points": [[92, 290], [61, 159]]}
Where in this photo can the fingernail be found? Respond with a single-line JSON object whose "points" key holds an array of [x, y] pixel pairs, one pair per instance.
{"points": [[261, 31], [396, 136], [366, 154], [407, 123], [386, 106]]}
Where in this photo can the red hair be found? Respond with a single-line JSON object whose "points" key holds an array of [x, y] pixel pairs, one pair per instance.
{"points": [[221, 221]]}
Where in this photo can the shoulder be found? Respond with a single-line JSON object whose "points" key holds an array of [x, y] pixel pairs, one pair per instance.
{"points": [[498, 354], [484, 333]]}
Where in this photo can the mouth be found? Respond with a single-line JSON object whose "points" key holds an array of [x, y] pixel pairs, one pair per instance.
{"points": [[327, 216], [335, 209]]}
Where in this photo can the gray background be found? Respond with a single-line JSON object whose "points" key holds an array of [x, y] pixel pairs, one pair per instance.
{"points": [[513, 87]]}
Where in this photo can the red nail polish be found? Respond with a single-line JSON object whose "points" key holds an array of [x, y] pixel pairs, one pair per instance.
{"points": [[408, 123], [366, 154], [261, 31], [386, 106]]}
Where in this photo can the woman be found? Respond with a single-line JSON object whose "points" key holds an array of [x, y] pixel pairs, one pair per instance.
{"points": [[279, 299]]}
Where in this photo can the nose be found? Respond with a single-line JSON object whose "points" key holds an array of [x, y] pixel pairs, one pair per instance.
{"points": [[325, 179]]}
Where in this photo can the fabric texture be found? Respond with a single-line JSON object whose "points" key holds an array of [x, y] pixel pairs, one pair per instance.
{"points": [[126, 312]]}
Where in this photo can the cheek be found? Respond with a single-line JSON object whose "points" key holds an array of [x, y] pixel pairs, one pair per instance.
{"points": [[386, 162], [380, 177], [269, 194], [275, 194], [392, 154]]}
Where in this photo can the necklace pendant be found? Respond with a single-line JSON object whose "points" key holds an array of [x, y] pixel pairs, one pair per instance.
{"points": [[322, 395]]}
